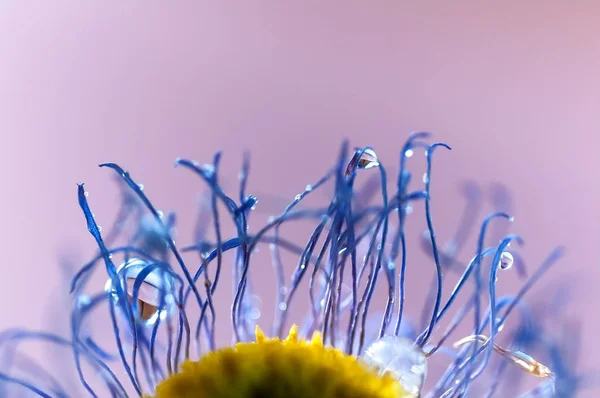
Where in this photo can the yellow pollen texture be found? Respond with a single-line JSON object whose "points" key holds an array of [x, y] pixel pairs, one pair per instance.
{"points": [[274, 368]]}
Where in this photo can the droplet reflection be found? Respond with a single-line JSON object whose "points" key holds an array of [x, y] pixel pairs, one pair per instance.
{"points": [[506, 260], [156, 287]]}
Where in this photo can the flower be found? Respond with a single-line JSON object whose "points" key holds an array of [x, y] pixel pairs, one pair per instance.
{"points": [[274, 368], [163, 311]]}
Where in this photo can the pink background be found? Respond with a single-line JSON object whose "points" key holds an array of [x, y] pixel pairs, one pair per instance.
{"points": [[513, 87]]}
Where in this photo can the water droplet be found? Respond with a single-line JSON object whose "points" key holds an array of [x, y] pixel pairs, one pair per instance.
{"points": [[401, 358], [271, 219], [362, 159], [308, 188], [83, 300], [409, 153], [209, 169], [500, 325], [254, 314], [141, 187], [425, 178], [298, 197], [506, 261], [408, 209], [160, 213], [368, 159], [241, 175], [86, 194], [99, 228], [282, 306], [155, 285], [302, 266]]}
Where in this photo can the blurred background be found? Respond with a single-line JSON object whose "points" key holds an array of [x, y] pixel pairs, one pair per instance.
{"points": [[513, 87]]}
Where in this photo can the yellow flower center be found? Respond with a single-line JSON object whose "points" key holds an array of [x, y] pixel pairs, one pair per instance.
{"points": [[274, 368]]}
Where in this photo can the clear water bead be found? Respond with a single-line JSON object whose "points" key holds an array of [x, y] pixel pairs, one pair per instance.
{"points": [[368, 159], [401, 358], [155, 285], [506, 260]]}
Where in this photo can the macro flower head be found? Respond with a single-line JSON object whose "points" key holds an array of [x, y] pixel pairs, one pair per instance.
{"points": [[339, 325]]}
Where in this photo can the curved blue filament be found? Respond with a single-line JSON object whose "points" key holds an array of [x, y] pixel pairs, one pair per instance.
{"points": [[477, 277], [508, 303], [350, 243], [79, 312], [434, 249], [240, 223], [111, 270], [22, 383], [492, 288], [136, 189]]}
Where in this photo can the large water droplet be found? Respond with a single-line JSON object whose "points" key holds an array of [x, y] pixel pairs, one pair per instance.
{"points": [[362, 159], [368, 159], [401, 358], [155, 285]]}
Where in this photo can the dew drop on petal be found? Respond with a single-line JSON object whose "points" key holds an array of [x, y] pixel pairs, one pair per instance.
{"points": [[401, 358], [409, 153]]}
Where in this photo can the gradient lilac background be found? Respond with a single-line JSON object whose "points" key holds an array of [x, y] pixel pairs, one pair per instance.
{"points": [[513, 87]]}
